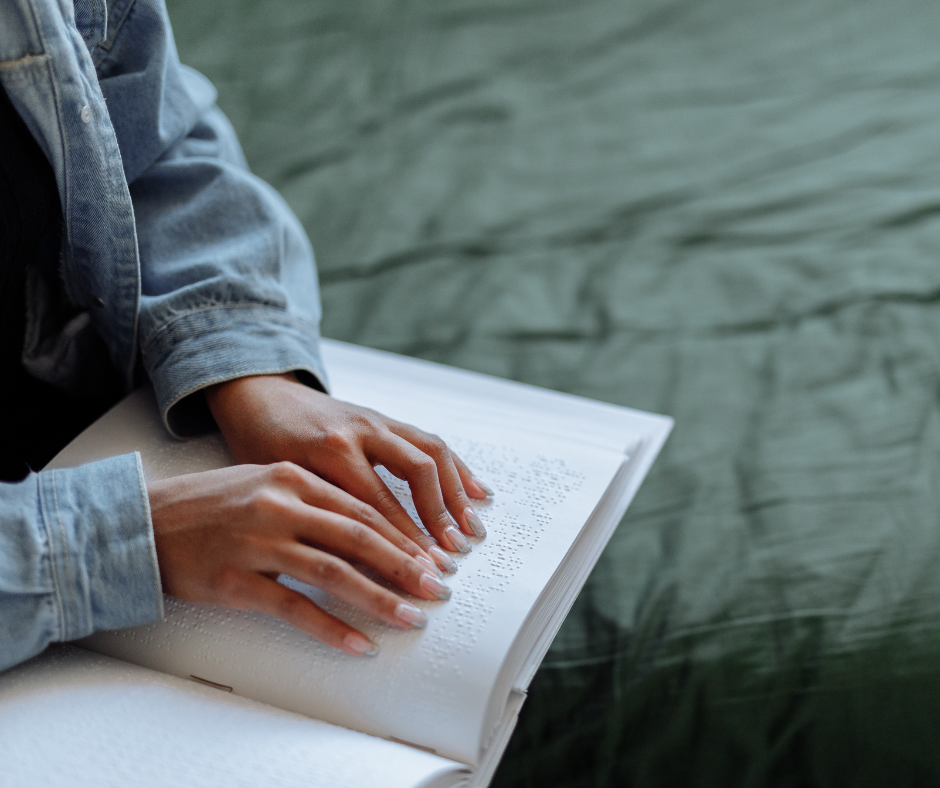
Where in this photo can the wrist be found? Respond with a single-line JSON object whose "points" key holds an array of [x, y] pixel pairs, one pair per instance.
{"points": [[232, 397]]}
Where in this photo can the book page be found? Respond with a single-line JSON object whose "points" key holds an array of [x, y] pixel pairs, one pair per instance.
{"points": [[71, 718], [430, 688], [484, 399]]}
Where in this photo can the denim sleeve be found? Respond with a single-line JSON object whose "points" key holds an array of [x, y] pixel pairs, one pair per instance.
{"points": [[227, 275], [76, 555], [228, 279]]}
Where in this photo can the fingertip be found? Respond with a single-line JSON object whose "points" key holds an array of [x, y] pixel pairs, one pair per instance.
{"points": [[484, 490], [476, 525], [457, 540], [359, 645], [428, 564], [434, 586], [410, 616], [474, 489], [444, 561]]}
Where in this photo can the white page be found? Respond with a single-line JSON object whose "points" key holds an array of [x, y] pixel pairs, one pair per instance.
{"points": [[486, 399], [430, 687], [75, 719]]}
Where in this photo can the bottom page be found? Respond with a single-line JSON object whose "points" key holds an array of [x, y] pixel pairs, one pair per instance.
{"points": [[552, 460], [430, 688], [73, 718]]}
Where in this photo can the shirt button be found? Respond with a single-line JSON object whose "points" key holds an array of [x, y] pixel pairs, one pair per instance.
{"points": [[98, 301], [86, 114]]}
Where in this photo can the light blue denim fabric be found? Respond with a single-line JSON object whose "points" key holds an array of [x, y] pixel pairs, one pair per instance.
{"points": [[170, 246]]}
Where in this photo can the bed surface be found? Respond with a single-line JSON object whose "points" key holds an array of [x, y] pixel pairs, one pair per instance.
{"points": [[725, 211]]}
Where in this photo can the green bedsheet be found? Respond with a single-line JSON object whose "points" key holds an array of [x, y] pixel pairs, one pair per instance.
{"points": [[721, 210]]}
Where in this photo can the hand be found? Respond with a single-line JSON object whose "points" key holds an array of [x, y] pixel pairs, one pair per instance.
{"points": [[275, 417], [224, 536]]}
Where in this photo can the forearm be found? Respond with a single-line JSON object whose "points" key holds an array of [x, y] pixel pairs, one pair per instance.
{"points": [[76, 555], [228, 278]]}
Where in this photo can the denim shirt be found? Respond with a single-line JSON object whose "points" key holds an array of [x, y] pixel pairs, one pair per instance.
{"points": [[170, 246]]}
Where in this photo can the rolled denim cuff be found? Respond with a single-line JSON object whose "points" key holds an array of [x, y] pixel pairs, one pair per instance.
{"points": [[101, 553], [209, 346]]}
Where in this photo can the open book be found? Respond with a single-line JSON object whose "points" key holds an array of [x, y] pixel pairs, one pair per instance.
{"points": [[446, 698]]}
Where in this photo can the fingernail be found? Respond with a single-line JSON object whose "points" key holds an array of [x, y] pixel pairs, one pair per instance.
{"points": [[445, 562], [484, 487], [474, 522], [428, 564], [435, 586], [413, 616], [457, 539], [360, 644]]}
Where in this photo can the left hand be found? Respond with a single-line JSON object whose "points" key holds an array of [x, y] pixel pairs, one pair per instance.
{"points": [[271, 418]]}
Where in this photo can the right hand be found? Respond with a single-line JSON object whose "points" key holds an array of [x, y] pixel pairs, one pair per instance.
{"points": [[224, 536], [269, 418]]}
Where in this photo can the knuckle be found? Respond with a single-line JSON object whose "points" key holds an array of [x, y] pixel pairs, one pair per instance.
{"points": [[423, 466], [363, 420], [263, 503], [290, 607], [443, 520], [385, 499], [436, 446], [365, 513], [330, 571], [286, 473], [338, 442], [359, 535]]}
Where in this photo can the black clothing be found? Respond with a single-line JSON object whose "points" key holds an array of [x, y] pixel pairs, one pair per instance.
{"points": [[36, 418]]}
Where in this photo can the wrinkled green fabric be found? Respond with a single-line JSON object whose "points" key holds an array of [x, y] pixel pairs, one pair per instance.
{"points": [[721, 210]]}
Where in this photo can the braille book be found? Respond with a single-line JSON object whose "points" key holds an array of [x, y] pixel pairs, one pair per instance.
{"points": [[444, 699]]}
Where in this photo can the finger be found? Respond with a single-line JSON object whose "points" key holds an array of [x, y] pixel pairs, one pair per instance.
{"points": [[341, 502], [354, 541], [474, 487], [338, 578], [362, 482], [451, 485], [314, 491], [405, 459], [269, 596]]}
